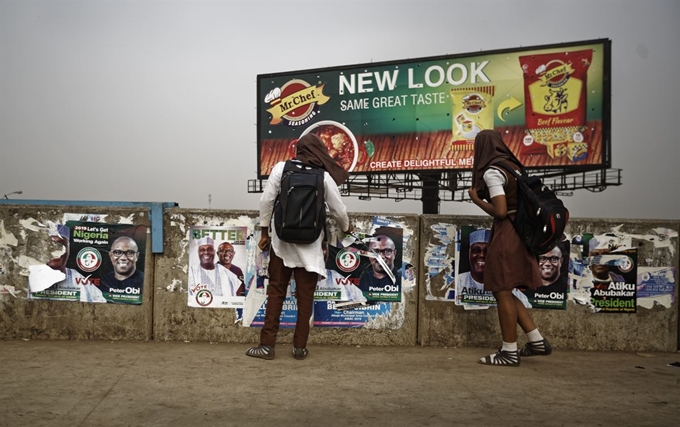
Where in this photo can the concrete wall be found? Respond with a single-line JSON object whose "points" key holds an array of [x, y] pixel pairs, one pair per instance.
{"points": [[164, 313], [421, 318], [577, 327]]}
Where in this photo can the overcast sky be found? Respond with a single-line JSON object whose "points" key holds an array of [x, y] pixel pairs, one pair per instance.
{"points": [[156, 100]]}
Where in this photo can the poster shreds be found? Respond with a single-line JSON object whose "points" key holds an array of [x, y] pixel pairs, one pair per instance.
{"points": [[656, 285]]}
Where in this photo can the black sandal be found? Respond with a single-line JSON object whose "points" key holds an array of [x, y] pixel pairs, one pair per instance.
{"points": [[536, 348], [501, 358], [300, 353], [262, 351]]}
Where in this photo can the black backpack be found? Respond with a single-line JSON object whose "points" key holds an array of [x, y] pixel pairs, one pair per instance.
{"points": [[300, 209], [541, 217]]}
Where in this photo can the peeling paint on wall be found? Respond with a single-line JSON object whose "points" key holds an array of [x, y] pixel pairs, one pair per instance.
{"points": [[25, 262], [178, 220], [8, 290], [660, 237], [176, 285], [127, 219], [85, 217], [394, 319], [438, 262], [6, 239], [32, 224]]}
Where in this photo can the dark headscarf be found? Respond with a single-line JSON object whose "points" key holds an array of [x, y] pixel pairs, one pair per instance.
{"points": [[489, 149], [310, 150]]}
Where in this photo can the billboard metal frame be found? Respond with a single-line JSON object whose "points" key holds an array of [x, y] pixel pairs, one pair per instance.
{"points": [[453, 185]]}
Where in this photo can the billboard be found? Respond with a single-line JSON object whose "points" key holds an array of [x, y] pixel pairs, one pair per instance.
{"points": [[551, 104]]}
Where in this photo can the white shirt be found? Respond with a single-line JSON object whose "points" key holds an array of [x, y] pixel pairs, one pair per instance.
{"points": [[495, 180], [307, 256], [468, 284]]}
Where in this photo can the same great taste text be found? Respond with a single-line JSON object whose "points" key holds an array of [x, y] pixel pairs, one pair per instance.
{"points": [[434, 76], [392, 101]]}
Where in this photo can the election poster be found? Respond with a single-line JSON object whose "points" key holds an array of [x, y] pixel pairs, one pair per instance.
{"points": [[554, 268], [471, 253], [92, 262], [217, 257], [373, 263], [614, 274]]}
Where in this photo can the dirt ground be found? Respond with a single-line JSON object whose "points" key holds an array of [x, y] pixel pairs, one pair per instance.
{"points": [[98, 383]]}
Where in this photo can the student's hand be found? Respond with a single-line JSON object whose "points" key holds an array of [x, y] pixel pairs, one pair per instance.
{"points": [[263, 244], [472, 191], [350, 229]]}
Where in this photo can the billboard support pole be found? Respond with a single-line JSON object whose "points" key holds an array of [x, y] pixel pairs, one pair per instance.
{"points": [[430, 192]]}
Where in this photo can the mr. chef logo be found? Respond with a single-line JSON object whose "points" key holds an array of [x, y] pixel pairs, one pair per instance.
{"points": [[555, 73], [474, 103], [295, 103]]}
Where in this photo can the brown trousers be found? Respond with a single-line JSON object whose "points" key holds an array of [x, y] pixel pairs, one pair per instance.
{"points": [[305, 285]]}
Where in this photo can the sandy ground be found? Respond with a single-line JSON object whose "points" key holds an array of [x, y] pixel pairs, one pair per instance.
{"points": [[99, 383]]}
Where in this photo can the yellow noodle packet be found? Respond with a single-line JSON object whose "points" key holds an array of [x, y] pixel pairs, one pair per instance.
{"points": [[472, 111]]}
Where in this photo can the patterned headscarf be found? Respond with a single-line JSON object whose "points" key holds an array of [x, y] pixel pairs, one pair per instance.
{"points": [[489, 149], [311, 150]]}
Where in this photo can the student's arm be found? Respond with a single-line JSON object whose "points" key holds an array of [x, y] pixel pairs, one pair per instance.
{"points": [[335, 205], [267, 200], [498, 208], [495, 180]]}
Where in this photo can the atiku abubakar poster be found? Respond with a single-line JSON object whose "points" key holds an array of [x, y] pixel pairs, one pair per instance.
{"points": [[217, 256]]}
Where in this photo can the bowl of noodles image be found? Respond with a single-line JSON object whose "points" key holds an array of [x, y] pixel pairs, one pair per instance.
{"points": [[339, 141]]}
